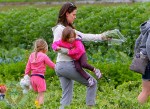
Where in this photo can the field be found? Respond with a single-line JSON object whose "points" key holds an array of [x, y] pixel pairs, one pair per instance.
{"points": [[118, 88]]}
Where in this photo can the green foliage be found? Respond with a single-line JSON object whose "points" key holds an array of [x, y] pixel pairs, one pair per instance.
{"points": [[12, 56], [122, 97], [22, 27], [118, 88], [120, 17], [114, 66], [11, 71]]}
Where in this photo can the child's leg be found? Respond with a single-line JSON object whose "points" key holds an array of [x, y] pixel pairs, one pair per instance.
{"points": [[83, 73], [41, 97], [40, 87], [39, 100], [80, 70], [84, 63], [143, 96]]}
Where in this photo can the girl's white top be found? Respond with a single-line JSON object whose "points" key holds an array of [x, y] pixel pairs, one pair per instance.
{"points": [[57, 33]]}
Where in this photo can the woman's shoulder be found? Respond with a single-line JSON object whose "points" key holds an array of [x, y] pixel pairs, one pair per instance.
{"points": [[58, 26]]}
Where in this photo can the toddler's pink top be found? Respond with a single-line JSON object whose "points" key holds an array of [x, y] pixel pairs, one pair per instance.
{"points": [[76, 48], [38, 65]]}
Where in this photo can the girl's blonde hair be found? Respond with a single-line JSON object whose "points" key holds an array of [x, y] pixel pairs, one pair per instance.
{"points": [[40, 45], [67, 32]]}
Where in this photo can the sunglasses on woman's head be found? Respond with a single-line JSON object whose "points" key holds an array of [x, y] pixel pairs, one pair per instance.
{"points": [[71, 4]]}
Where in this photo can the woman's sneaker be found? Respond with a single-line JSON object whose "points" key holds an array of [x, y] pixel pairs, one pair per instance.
{"points": [[91, 82], [98, 73]]}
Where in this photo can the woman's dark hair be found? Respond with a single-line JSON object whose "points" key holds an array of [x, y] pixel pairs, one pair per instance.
{"points": [[67, 7], [67, 32]]}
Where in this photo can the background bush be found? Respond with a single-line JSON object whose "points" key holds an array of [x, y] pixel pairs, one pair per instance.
{"points": [[22, 27]]}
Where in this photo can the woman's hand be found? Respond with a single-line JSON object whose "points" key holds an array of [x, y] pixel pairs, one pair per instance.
{"points": [[105, 38], [115, 34]]}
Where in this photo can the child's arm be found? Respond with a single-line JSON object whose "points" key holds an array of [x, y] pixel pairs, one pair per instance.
{"points": [[78, 48], [48, 61], [28, 68], [56, 45]]}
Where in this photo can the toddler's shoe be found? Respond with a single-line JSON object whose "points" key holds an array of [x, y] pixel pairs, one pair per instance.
{"points": [[91, 82], [98, 73]]}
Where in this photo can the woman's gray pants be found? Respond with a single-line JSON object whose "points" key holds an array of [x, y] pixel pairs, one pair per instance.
{"points": [[66, 72]]}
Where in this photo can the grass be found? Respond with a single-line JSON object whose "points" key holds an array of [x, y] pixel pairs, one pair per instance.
{"points": [[107, 97]]}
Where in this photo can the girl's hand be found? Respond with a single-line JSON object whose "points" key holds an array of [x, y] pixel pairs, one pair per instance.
{"points": [[58, 48]]}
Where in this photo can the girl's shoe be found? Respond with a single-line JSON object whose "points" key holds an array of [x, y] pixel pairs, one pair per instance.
{"points": [[37, 105]]}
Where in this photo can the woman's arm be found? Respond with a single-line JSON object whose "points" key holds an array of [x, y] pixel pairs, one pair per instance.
{"points": [[91, 37], [28, 68], [148, 46], [56, 45], [78, 48], [137, 44]]}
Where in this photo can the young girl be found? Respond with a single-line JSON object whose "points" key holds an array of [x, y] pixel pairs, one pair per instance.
{"points": [[37, 66], [77, 52]]}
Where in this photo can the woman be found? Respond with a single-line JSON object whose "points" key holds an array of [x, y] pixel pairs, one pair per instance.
{"points": [[142, 45], [65, 68]]}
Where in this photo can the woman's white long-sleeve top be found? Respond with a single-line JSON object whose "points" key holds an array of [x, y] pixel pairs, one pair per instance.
{"points": [[57, 33]]}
